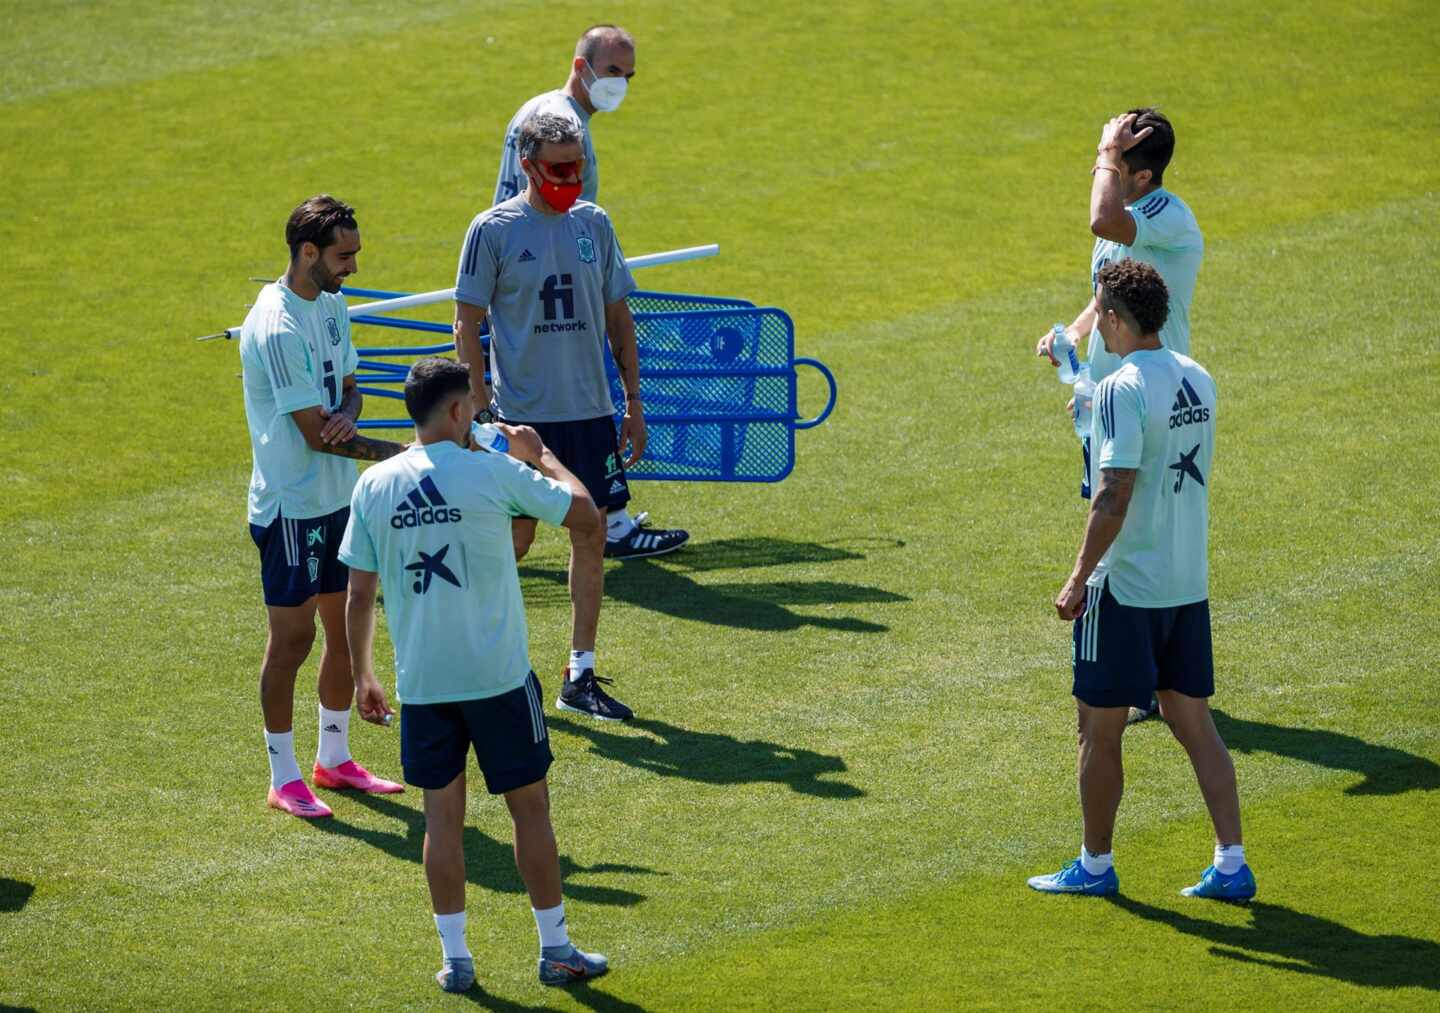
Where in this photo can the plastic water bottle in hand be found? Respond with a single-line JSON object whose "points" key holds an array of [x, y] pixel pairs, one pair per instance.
{"points": [[1084, 402], [1064, 351], [488, 436]]}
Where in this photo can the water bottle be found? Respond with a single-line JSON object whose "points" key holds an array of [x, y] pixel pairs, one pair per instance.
{"points": [[1084, 401], [1064, 350], [489, 437]]}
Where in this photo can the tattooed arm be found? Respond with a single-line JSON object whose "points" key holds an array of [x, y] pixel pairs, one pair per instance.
{"points": [[335, 432], [1107, 516], [620, 329]]}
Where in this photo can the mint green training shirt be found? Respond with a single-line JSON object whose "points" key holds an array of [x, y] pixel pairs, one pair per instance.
{"points": [[1167, 238], [434, 523], [1156, 413]]}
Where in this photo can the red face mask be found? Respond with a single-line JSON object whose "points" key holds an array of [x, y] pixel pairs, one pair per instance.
{"points": [[560, 196]]}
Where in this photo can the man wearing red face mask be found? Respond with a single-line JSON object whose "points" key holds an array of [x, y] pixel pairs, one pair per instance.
{"points": [[547, 272], [600, 74]]}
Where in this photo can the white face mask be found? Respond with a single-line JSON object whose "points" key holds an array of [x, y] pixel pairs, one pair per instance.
{"points": [[606, 93]]}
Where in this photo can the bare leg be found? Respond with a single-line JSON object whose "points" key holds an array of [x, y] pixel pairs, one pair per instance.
{"points": [[1189, 718], [444, 846], [336, 687], [536, 855], [1102, 774], [587, 584], [292, 634]]}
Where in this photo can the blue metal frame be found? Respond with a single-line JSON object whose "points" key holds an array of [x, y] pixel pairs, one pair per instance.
{"points": [[695, 412]]}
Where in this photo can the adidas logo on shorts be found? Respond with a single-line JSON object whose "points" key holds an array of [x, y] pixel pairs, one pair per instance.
{"points": [[526, 256]]}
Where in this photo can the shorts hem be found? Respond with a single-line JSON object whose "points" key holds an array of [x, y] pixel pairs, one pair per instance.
{"points": [[517, 777]]}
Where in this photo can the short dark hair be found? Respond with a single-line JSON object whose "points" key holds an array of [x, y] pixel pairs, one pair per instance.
{"points": [[546, 128], [1158, 147], [315, 221], [430, 383], [1135, 291], [598, 35]]}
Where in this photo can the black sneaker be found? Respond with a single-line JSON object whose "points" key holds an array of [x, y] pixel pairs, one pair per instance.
{"points": [[644, 541], [584, 696]]}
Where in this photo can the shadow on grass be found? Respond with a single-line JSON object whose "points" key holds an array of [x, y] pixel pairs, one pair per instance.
{"points": [[488, 863], [1289, 940], [711, 758], [585, 994], [666, 588], [1387, 771], [14, 894]]}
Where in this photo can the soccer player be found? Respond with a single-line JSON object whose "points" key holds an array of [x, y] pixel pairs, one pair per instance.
{"points": [[548, 272], [600, 73], [1133, 215], [301, 404], [433, 525], [1139, 594]]}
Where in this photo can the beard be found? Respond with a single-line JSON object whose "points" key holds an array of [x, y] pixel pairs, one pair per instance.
{"points": [[323, 279]]}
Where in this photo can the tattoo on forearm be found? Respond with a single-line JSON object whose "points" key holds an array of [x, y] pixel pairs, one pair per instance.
{"points": [[363, 448], [1113, 497]]}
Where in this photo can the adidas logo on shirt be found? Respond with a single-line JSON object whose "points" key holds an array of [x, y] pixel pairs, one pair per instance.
{"points": [[526, 256], [424, 505], [1187, 408]]}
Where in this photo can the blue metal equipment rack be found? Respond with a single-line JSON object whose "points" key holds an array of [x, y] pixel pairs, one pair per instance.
{"points": [[718, 377]]}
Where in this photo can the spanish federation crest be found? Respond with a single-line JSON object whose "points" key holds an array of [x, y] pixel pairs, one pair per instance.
{"points": [[333, 329], [586, 246]]}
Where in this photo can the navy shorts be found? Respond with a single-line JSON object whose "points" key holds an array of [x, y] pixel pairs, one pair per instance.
{"points": [[301, 558], [590, 449], [1085, 467], [507, 732], [1123, 654]]}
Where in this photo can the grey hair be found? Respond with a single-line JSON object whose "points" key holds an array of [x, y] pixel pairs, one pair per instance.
{"points": [[546, 128], [599, 35]]}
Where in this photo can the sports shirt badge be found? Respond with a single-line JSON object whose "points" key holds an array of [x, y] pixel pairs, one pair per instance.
{"points": [[333, 329], [586, 248]]}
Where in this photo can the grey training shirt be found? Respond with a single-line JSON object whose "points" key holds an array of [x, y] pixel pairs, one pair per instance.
{"points": [[545, 281], [511, 180]]}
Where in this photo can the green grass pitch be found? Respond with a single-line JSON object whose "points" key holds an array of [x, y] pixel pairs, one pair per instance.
{"points": [[855, 738]]}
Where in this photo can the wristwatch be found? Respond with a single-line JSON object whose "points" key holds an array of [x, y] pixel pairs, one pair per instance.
{"points": [[484, 415]]}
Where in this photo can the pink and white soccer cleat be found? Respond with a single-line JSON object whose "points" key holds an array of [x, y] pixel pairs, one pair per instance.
{"points": [[351, 775], [296, 798]]}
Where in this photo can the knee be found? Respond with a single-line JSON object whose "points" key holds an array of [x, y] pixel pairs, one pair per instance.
{"points": [[289, 648]]}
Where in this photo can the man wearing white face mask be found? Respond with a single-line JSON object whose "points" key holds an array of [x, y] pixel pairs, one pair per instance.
{"points": [[601, 71]]}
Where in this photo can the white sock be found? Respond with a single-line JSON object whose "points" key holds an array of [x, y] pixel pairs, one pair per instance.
{"points": [[579, 661], [1229, 858], [1096, 865], [618, 524], [334, 747], [551, 925], [452, 935], [281, 748]]}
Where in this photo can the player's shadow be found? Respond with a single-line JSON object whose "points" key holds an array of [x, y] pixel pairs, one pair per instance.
{"points": [[14, 894], [1387, 771], [711, 758], [666, 588], [1290, 940], [488, 863], [585, 993]]}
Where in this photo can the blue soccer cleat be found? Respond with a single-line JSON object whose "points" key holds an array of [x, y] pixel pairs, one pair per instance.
{"points": [[575, 966], [1074, 879], [458, 974], [1213, 886]]}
